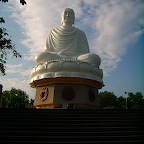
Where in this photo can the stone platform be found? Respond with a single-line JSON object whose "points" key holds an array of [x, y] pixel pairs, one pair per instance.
{"points": [[59, 92], [39, 126], [58, 80]]}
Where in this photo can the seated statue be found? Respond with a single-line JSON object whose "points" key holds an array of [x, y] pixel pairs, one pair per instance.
{"points": [[66, 54], [67, 42]]}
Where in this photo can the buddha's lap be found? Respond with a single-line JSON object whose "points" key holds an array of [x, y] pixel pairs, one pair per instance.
{"points": [[47, 56]]}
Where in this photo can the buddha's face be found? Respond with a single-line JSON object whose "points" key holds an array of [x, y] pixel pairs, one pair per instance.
{"points": [[67, 17]]}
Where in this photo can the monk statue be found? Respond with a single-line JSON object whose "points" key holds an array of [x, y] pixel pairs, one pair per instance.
{"points": [[66, 69], [66, 54], [67, 42]]}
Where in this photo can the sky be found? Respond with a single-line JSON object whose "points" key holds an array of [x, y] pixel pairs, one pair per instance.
{"points": [[114, 29]]}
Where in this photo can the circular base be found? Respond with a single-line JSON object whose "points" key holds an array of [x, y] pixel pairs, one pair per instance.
{"points": [[66, 68], [64, 80], [59, 106]]}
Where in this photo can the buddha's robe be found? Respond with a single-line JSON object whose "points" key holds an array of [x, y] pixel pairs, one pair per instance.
{"points": [[67, 43]]}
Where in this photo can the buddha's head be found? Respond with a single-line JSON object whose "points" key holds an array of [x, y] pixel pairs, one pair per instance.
{"points": [[67, 16]]}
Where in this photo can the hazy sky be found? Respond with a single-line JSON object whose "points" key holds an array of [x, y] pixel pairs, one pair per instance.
{"points": [[114, 28]]}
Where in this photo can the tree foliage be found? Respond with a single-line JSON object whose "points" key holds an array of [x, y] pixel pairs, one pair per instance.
{"points": [[133, 101], [135, 98], [15, 98], [121, 103], [6, 47], [23, 2], [107, 99]]}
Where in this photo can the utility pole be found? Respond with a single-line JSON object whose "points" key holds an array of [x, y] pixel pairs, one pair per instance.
{"points": [[126, 100], [1, 86]]}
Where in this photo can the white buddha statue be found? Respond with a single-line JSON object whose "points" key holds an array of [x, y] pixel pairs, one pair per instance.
{"points": [[66, 54], [67, 42]]}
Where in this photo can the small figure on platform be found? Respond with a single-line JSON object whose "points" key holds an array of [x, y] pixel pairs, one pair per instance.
{"points": [[70, 106]]}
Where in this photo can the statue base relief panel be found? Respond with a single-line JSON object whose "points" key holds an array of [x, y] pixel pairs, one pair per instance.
{"points": [[62, 95]]}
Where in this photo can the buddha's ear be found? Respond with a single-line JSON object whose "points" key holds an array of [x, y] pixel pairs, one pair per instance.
{"points": [[61, 21], [61, 18], [73, 20]]}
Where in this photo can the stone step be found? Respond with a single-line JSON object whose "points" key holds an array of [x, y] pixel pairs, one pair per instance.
{"points": [[75, 142], [69, 123], [71, 126], [84, 133], [71, 138]]}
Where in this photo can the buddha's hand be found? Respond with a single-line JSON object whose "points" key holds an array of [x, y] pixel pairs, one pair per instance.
{"points": [[60, 53]]}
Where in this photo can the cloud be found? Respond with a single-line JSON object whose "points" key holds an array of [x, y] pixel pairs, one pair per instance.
{"points": [[111, 28], [17, 83], [18, 70], [36, 19], [18, 76], [14, 68], [117, 25], [110, 25]]}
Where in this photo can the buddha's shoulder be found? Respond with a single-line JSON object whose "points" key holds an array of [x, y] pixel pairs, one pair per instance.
{"points": [[81, 31], [73, 29]]}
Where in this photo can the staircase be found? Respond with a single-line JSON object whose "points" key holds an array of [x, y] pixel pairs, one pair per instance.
{"points": [[59, 126]]}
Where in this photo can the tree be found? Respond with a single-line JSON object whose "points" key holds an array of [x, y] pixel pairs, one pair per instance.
{"points": [[121, 102], [135, 100], [15, 98], [31, 104], [108, 99], [23, 2], [6, 47]]}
